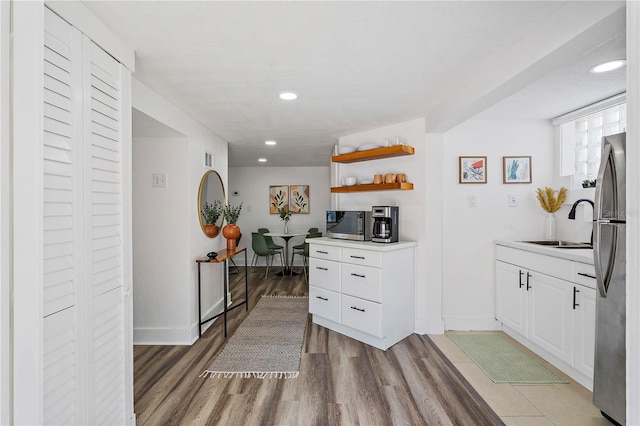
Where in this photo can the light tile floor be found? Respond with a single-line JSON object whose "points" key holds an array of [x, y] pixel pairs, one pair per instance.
{"points": [[526, 404]]}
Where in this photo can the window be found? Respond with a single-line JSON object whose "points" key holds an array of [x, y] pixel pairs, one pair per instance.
{"points": [[581, 137]]}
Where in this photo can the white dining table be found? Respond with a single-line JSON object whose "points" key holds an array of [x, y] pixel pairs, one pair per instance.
{"points": [[286, 237]]}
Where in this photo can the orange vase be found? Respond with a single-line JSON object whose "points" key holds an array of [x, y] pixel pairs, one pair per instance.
{"points": [[231, 232], [211, 229]]}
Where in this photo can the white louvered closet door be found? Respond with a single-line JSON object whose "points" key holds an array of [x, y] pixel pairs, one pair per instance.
{"points": [[104, 236], [83, 314]]}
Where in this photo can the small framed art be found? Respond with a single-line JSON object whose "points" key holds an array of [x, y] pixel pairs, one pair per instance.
{"points": [[299, 199], [278, 198], [516, 169], [472, 170]]}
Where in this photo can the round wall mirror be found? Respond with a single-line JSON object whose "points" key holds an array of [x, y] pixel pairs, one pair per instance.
{"points": [[211, 190]]}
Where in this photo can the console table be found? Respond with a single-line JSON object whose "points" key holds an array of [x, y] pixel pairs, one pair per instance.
{"points": [[223, 256]]}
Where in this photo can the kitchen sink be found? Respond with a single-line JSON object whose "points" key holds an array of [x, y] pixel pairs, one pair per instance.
{"points": [[561, 244]]}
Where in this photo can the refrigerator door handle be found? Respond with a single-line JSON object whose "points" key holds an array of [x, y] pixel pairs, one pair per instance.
{"points": [[603, 275], [599, 208]]}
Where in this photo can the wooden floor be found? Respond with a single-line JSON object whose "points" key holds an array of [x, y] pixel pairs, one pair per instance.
{"points": [[342, 381]]}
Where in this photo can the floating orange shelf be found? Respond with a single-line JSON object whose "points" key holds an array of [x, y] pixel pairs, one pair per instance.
{"points": [[374, 154], [374, 187]]}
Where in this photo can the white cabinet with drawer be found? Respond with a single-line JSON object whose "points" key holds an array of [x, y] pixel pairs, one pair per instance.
{"points": [[363, 290], [548, 304]]}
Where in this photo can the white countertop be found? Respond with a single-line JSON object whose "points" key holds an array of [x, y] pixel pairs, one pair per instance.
{"points": [[364, 245], [577, 255]]}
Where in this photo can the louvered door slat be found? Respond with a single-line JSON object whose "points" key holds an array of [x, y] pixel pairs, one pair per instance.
{"points": [[106, 132], [54, 98], [102, 98], [57, 141], [57, 86], [56, 112], [57, 73], [57, 127], [106, 110]]}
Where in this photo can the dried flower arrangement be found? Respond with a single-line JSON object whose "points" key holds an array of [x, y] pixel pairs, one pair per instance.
{"points": [[232, 213], [548, 200]]}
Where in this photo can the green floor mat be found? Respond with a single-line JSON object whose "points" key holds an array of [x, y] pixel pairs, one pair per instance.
{"points": [[502, 360]]}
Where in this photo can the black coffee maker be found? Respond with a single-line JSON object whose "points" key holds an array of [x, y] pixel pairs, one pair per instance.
{"points": [[385, 224]]}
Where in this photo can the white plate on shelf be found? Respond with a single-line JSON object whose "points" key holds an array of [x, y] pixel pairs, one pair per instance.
{"points": [[368, 146], [346, 149], [366, 181]]}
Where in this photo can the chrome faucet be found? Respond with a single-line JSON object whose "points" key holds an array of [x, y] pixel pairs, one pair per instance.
{"points": [[572, 213]]}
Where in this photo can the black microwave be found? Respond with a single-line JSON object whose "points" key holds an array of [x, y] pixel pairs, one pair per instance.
{"points": [[349, 225]]}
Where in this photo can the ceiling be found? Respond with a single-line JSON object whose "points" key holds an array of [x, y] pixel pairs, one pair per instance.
{"points": [[355, 65]]}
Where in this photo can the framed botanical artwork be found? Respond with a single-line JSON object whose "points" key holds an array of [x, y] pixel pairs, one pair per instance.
{"points": [[278, 198], [472, 170], [516, 169], [299, 199]]}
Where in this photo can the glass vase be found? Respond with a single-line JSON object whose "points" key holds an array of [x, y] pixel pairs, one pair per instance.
{"points": [[550, 227], [286, 227]]}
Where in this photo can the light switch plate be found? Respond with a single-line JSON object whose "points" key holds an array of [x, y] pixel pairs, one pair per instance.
{"points": [[472, 201], [159, 180], [512, 200]]}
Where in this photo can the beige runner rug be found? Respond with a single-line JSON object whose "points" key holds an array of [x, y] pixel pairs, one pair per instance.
{"points": [[268, 343]]}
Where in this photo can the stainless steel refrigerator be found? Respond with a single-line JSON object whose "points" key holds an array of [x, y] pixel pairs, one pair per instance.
{"points": [[609, 243]]}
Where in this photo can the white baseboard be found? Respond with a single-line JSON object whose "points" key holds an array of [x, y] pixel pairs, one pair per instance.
{"points": [[471, 323], [161, 336], [429, 326], [175, 336]]}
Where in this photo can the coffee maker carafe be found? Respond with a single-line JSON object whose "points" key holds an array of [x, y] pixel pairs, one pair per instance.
{"points": [[385, 224]]}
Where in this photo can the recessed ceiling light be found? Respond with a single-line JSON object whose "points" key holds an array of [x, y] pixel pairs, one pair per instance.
{"points": [[262, 160], [269, 142], [288, 96], [608, 66]]}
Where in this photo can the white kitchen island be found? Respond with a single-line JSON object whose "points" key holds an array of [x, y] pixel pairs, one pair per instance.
{"points": [[362, 289]]}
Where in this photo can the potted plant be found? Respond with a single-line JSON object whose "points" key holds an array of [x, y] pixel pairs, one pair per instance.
{"points": [[231, 231], [551, 204], [285, 215], [588, 183], [210, 215]]}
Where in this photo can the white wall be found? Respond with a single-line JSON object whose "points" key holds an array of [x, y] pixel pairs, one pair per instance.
{"points": [[252, 185], [469, 232], [193, 243], [160, 215], [413, 213]]}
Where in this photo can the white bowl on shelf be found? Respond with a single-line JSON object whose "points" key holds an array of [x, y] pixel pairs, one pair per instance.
{"points": [[350, 181], [366, 181], [346, 149], [368, 146]]}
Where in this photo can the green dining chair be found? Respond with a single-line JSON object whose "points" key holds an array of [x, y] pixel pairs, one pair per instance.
{"points": [[260, 249], [305, 254], [300, 247], [271, 244]]}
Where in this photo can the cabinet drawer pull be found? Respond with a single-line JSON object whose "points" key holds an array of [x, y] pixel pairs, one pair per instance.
{"points": [[586, 275], [575, 291], [321, 268], [322, 298], [322, 252], [528, 276], [357, 257], [520, 280], [358, 275], [357, 309]]}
